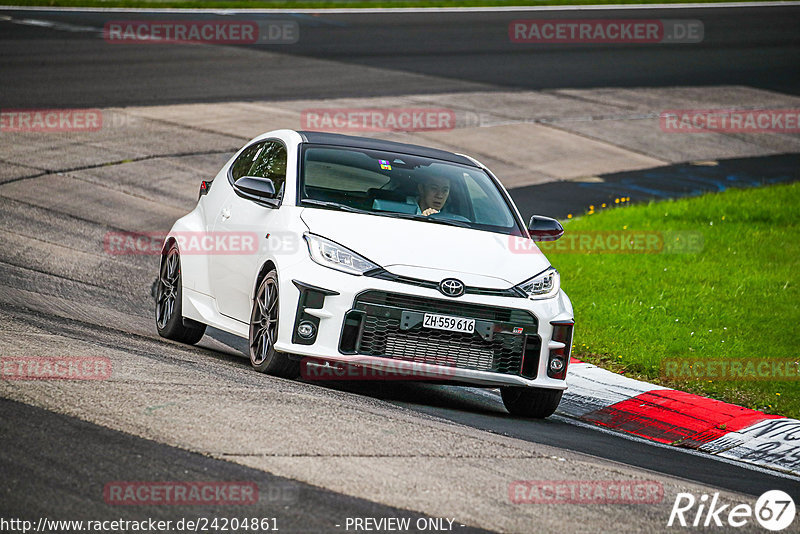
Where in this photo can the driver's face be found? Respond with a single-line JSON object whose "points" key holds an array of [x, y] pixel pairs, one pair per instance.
{"points": [[433, 193]]}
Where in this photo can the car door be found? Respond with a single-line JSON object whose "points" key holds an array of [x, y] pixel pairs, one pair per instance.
{"points": [[242, 225]]}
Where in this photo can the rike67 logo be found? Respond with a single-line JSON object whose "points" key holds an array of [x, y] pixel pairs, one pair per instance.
{"points": [[774, 510]]}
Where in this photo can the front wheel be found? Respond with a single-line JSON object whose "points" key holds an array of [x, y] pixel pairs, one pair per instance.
{"points": [[531, 403], [264, 332], [169, 318]]}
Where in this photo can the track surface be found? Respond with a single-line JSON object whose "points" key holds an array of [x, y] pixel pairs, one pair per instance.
{"points": [[373, 54], [559, 199], [68, 480], [61, 294]]}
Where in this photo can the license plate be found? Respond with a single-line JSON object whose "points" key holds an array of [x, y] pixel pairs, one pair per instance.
{"points": [[445, 322]]}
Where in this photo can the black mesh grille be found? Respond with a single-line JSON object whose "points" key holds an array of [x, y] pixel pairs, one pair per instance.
{"points": [[382, 335]]}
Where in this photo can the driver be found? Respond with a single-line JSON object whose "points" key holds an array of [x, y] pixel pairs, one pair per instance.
{"points": [[433, 193]]}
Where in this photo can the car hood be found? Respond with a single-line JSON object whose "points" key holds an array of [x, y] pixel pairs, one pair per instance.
{"points": [[431, 251]]}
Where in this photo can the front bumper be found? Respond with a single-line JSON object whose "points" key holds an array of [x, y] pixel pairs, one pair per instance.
{"points": [[376, 323]]}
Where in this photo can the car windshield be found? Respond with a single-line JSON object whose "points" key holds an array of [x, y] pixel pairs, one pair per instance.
{"points": [[403, 186]]}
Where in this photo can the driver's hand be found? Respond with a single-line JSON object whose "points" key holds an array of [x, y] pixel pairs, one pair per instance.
{"points": [[430, 211]]}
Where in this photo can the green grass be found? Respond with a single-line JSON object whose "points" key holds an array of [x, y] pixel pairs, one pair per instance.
{"points": [[736, 298], [322, 4]]}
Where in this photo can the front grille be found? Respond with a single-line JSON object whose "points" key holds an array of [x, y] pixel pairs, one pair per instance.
{"points": [[448, 307], [373, 328]]}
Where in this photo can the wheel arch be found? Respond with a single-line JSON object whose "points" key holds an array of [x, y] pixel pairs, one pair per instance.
{"points": [[168, 245], [262, 272]]}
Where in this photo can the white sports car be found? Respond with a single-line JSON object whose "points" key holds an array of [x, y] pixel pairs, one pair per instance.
{"points": [[348, 251]]}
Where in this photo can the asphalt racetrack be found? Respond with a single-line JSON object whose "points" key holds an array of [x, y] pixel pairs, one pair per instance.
{"points": [[378, 54], [319, 453]]}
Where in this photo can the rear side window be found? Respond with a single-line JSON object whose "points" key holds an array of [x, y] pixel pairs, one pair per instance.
{"points": [[266, 159], [242, 165], [271, 163]]}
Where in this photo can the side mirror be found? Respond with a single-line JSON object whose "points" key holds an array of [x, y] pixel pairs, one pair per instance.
{"points": [[253, 185], [261, 190], [545, 228]]}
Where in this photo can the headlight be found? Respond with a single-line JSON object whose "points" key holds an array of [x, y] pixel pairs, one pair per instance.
{"points": [[330, 254], [542, 286]]}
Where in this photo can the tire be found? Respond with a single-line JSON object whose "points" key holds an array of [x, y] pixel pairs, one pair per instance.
{"points": [[168, 294], [531, 403], [264, 332]]}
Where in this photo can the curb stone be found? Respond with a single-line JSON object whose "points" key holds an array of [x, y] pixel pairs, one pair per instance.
{"points": [[681, 419]]}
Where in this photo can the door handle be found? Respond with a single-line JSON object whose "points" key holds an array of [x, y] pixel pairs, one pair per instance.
{"points": [[226, 214]]}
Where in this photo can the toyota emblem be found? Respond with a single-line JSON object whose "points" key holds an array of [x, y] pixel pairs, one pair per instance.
{"points": [[451, 287]]}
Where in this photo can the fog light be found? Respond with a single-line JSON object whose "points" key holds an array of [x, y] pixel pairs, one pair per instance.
{"points": [[306, 329], [559, 358], [556, 365]]}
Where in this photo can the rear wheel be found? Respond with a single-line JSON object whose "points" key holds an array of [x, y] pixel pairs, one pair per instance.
{"points": [[169, 319], [264, 332], [532, 403]]}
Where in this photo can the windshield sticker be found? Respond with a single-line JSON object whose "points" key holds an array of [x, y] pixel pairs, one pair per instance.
{"points": [[385, 164]]}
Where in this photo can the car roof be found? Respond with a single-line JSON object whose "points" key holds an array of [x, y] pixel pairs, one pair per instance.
{"points": [[324, 138]]}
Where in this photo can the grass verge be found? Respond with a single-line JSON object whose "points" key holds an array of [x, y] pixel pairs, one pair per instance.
{"points": [[731, 295]]}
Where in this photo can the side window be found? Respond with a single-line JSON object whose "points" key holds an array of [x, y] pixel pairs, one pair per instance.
{"points": [[241, 166], [271, 163]]}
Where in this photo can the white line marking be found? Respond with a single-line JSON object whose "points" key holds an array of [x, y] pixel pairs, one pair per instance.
{"points": [[62, 26]]}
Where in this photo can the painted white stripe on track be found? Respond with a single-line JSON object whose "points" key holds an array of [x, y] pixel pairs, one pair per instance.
{"points": [[63, 26]]}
